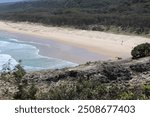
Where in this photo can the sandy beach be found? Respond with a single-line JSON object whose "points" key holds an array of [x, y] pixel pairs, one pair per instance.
{"points": [[99, 43]]}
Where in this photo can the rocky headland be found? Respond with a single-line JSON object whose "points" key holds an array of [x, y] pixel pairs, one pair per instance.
{"points": [[114, 79]]}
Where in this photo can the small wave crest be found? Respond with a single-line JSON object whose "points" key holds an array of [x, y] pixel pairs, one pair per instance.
{"points": [[7, 62], [13, 50]]}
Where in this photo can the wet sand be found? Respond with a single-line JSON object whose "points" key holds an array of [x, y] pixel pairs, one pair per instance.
{"points": [[56, 49], [75, 45]]}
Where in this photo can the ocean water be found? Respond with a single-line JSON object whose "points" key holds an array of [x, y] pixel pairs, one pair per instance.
{"points": [[13, 50]]}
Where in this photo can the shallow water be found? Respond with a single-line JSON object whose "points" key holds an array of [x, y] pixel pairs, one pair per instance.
{"points": [[13, 50]]}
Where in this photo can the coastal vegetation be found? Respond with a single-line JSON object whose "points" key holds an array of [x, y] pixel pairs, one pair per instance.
{"points": [[120, 79], [128, 16], [123, 79], [141, 50]]}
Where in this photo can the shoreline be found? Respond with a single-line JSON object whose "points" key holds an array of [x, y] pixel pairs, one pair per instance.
{"points": [[54, 49], [99, 43]]}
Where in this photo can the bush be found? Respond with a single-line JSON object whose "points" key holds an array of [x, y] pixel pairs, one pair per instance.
{"points": [[142, 50], [141, 67], [19, 72], [24, 90], [116, 72]]}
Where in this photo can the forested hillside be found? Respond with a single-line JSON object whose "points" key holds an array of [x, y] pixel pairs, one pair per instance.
{"points": [[131, 16]]}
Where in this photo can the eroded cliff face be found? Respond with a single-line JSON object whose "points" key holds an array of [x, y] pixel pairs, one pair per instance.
{"points": [[128, 76]]}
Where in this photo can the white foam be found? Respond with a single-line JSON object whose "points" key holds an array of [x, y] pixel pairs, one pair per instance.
{"points": [[28, 42], [14, 40], [11, 45], [6, 61], [29, 54]]}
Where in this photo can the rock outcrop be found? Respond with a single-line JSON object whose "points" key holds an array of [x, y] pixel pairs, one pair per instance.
{"points": [[127, 73]]}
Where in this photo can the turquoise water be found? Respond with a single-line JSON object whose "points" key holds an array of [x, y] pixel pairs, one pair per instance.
{"points": [[13, 50]]}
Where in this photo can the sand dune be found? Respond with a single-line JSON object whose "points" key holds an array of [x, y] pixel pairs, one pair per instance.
{"points": [[108, 44]]}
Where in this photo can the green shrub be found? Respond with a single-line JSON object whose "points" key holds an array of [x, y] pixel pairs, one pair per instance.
{"points": [[24, 89], [116, 72], [142, 50], [128, 95], [146, 89], [141, 67]]}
